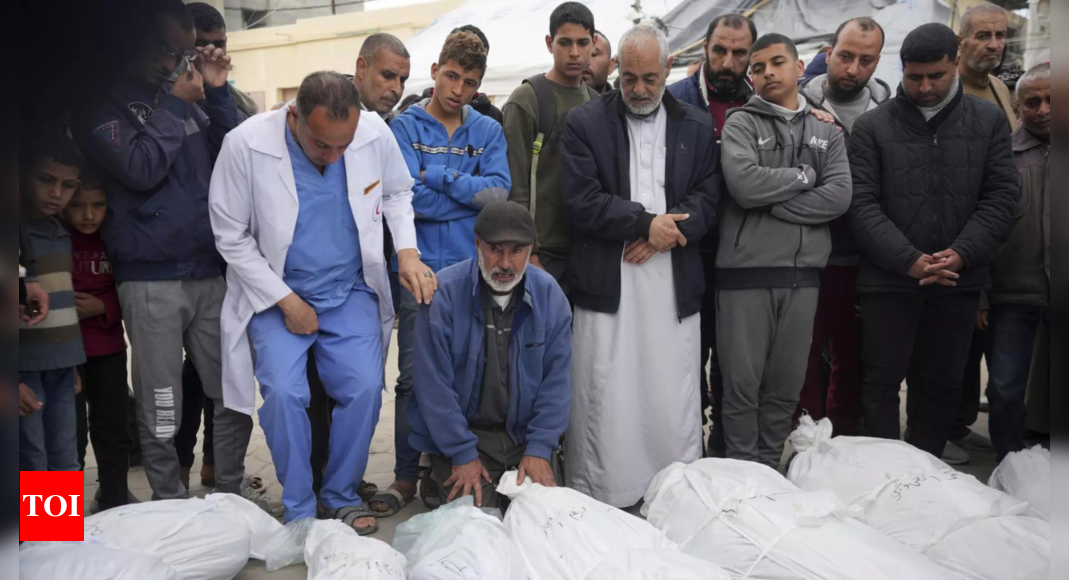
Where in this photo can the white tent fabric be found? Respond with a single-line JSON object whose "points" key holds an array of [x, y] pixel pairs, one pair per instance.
{"points": [[805, 19], [517, 32]]}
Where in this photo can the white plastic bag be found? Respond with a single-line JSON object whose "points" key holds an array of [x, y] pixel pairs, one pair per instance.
{"points": [[194, 537], [564, 534], [656, 565], [459, 541], [852, 467], [918, 500], [88, 561], [334, 551], [1006, 548], [754, 524], [262, 527], [286, 546], [1026, 476]]}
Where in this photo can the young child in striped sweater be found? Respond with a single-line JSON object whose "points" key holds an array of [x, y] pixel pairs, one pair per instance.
{"points": [[50, 351]]}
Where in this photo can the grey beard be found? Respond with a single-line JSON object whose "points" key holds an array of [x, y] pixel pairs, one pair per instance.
{"points": [[643, 112], [495, 286]]}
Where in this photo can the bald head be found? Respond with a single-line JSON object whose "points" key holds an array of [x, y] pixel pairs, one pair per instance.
{"points": [[1033, 97]]}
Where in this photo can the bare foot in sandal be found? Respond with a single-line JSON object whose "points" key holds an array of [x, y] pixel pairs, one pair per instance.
{"points": [[358, 518], [407, 491]]}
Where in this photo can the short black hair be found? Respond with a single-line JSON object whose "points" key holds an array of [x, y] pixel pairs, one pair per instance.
{"points": [[930, 43], [52, 144], [93, 178], [772, 39], [477, 32], [598, 33], [330, 90], [205, 17], [571, 13], [177, 10], [731, 20], [867, 24]]}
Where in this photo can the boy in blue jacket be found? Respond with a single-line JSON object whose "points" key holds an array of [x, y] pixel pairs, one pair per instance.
{"points": [[459, 160], [493, 385]]}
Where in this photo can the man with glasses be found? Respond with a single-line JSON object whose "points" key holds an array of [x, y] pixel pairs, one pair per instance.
{"points": [[211, 30], [157, 136]]}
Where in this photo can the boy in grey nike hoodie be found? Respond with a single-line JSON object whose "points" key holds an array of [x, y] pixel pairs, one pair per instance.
{"points": [[788, 176]]}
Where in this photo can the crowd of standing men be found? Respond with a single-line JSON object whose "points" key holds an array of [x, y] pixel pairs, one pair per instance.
{"points": [[576, 277]]}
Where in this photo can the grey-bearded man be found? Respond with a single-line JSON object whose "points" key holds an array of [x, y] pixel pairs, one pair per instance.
{"points": [[640, 181]]}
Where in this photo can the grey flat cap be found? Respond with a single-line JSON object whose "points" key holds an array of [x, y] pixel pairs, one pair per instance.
{"points": [[505, 222]]}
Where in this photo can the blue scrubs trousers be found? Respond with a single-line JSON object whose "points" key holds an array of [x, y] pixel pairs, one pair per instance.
{"points": [[348, 354]]}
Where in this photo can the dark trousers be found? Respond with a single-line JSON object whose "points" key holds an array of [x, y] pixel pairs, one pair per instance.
{"points": [[320, 413], [194, 403], [499, 455], [838, 330], [106, 392], [927, 337], [712, 382], [1009, 359], [969, 407]]}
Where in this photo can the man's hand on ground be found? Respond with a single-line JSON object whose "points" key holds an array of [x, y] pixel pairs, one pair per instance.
{"points": [[665, 234], [301, 319], [538, 469], [639, 252], [467, 479], [28, 403], [416, 277]]}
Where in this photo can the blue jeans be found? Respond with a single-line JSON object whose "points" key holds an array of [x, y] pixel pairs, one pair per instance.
{"points": [[48, 439], [407, 466], [1011, 338]]}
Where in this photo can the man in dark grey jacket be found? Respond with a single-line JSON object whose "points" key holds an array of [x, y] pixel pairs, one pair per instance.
{"points": [[788, 176], [1020, 270], [934, 192]]}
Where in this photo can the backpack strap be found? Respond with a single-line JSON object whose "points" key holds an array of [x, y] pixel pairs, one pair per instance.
{"points": [[547, 116]]}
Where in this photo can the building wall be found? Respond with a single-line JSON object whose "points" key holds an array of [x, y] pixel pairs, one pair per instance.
{"points": [[270, 63]]}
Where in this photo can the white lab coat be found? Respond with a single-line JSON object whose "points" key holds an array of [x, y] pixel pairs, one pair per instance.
{"points": [[254, 206]]}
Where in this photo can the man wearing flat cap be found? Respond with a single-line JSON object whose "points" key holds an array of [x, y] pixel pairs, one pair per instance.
{"points": [[492, 384]]}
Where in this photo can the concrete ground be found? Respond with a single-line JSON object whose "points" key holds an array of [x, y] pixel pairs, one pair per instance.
{"points": [[380, 472]]}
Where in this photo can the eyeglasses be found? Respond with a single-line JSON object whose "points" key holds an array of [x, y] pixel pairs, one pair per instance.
{"points": [[179, 54]]}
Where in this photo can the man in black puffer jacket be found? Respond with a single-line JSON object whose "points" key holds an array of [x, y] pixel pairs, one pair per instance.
{"points": [[935, 188]]}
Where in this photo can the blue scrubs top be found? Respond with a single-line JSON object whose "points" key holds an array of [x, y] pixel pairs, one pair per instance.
{"points": [[324, 264]]}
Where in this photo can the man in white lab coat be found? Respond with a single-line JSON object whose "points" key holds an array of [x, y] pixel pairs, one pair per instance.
{"points": [[297, 200]]}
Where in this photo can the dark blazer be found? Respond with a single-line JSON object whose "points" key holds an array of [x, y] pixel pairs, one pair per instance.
{"points": [[921, 187], [596, 186]]}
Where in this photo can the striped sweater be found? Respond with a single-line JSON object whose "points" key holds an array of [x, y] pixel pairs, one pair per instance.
{"points": [[56, 343]]}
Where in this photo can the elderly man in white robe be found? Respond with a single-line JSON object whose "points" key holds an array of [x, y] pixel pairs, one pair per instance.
{"points": [[640, 181]]}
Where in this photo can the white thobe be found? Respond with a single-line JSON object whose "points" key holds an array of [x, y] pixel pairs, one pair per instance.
{"points": [[636, 405]]}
